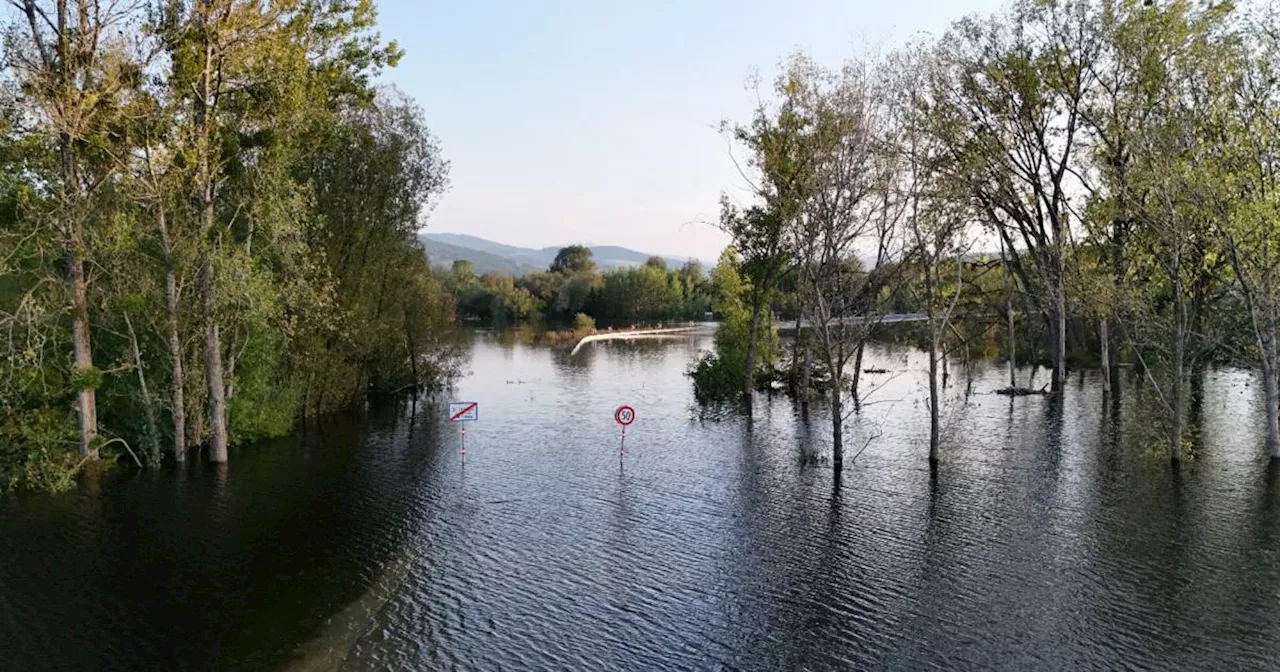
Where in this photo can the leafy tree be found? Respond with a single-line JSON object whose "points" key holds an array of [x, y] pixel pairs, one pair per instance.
{"points": [[573, 259]]}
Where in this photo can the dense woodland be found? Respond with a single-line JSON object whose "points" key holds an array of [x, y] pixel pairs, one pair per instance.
{"points": [[1098, 175], [207, 228]]}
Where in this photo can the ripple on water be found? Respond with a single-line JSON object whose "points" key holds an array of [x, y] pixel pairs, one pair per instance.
{"points": [[1048, 540]]}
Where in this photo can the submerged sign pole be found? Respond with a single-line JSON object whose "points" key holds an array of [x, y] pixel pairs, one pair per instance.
{"points": [[625, 415], [463, 412]]}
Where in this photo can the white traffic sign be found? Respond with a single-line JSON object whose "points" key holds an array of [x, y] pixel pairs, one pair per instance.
{"points": [[625, 415], [464, 411]]}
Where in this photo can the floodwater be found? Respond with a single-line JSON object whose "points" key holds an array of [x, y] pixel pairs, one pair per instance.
{"points": [[1052, 537]]}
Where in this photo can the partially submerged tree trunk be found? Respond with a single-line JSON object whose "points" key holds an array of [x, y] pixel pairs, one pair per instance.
{"points": [[203, 102], [175, 361], [749, 376], [806, 373], [153, 436], [1271, 388], [794, 377], [857, 373], [175, 341], [1013, 347], [837, 412], [1058, 329], [1104, 340], [933, 395], [87, 405], [213, 370], [1177, 397]]}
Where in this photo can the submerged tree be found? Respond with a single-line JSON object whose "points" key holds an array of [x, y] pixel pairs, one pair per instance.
{"points": [[1009, 97], [73, 64]]}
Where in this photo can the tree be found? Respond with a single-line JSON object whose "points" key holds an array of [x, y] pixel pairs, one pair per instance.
{"points": [[573, 259], [935, 213], [73, 68], [656, 262], [373, 175], [1008, 101], [1247, 228], [775, 142], [1177, 189], [245, 73], [846, 206]]}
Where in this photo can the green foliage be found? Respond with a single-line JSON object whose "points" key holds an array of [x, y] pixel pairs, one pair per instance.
{"points": [[719, 375], [86, 379], [646, 294], [38, 448], [573, 259], [583, 323], [316, 182]]}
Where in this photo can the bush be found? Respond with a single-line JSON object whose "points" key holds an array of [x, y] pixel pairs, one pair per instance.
{"points": [[718, 375], [583, 323], [716, 378]]}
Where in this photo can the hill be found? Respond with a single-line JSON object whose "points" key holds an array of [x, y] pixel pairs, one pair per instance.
{"points": [[443, 254], [488, 256]]}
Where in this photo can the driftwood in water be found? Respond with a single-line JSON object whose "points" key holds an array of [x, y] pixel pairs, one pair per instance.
{"points": [[1021, 391]]}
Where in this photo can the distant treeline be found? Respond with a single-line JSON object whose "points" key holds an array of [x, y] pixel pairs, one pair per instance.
{"points": [[573, 286]]}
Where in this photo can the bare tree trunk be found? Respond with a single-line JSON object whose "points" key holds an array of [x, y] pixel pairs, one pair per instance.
{"points": [[88, 403], [806, 373], [1179, 351], [857, 373], [933, 394], [749, 379], [1059, 328], [204, 101], [934, 355], [154, 436], [1175, 434], [1104, 339], [1271, 384], [1271, 392], [1013, 346], [837, 419], [175, 341], [794, 377], [213, 370], [179, 379]]}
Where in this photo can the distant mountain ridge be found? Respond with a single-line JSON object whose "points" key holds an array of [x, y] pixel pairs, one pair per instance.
{"points": [[487, 256]]}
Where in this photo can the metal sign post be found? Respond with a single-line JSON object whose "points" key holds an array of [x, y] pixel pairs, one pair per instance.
{"points": [[463, 412], [625, 415]]}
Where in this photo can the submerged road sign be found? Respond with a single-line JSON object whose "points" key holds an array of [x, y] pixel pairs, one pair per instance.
{"points": [[625, 415], [464, 411]]}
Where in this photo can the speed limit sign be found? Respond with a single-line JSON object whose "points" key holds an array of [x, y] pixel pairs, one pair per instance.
{"points": [[625, 415]]}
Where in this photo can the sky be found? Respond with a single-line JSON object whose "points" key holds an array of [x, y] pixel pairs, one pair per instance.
{"points": [[597, 122]]}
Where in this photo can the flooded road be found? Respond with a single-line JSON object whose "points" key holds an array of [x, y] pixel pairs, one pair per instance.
{"points": [[1053, 536]]}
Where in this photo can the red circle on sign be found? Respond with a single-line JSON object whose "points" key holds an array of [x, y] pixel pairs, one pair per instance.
{"points": [[625, 415]]}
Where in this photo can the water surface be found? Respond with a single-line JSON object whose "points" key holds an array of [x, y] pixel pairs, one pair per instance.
{"points": [[1051, 536]]}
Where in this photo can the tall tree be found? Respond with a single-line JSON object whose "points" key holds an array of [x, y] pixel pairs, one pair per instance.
{"points": [[841, 190], [1010, 96], [73, 65], [775, 141], [1178, 191]]}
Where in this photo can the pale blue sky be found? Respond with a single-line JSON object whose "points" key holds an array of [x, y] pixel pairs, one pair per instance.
{"points": [[595, 122]]}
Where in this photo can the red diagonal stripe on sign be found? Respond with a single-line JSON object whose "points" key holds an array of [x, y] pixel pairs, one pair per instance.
{"points": [[464, 411]]}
